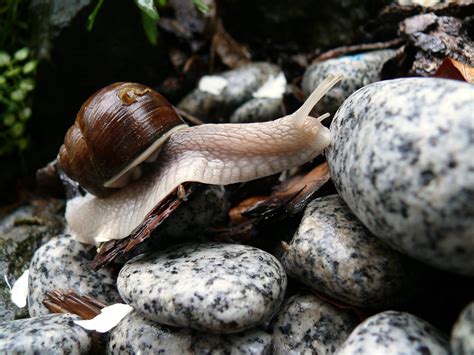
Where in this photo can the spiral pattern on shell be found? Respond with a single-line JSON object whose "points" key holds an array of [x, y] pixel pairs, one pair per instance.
{"points": [[112, 129]]}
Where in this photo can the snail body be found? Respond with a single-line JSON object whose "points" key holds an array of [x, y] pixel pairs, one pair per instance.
{"points": [[211, 154]]}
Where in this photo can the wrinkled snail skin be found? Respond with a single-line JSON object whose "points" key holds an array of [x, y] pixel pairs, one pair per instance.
{"points": [[213, 154]]}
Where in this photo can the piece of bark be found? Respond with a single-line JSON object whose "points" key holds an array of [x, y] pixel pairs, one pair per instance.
{"points": [[69, 301]]}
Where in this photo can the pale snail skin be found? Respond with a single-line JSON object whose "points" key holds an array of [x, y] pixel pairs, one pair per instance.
{"points": [[218, 154]]}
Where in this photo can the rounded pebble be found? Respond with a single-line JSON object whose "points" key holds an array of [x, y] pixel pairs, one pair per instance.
{"points": [[212, 287], [257, 110], [307, 324], [63, 263], [401, 158], [358, 70], [48, 334], [333, 253], [394, 333], [462, 335]]}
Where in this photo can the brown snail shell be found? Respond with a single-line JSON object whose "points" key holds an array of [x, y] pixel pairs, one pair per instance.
{"points": [[116, 129]]}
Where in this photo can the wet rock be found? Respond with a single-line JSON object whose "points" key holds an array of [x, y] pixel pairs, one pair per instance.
{"points": [[250, 342], [64, 263], [462, 335], [394, 333], [359, 70], [21, 234], [333, 253], [212, 287], [401, 158], [52, 333], [238, 87], [138, 334], [307, 324], [135, 334], [257, 110]]}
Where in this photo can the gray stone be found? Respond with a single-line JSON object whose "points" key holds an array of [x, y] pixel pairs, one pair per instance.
{"points": [[359, 70], [307, 324], [212, 287], [257, 110], [63, 263], [242, 83], [394, 333], [333, 253], [48, 334], [462, 335], [136, 334], [401, 158], [21, 233]]}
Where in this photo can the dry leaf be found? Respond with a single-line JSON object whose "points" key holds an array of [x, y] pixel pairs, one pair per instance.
{"points": [[230, 52], [452, 69]]}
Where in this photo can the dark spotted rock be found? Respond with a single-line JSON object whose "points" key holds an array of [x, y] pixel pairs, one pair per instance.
{"points": [[333, 253], [48, 334], [63, 263], [401, 158], [257, 110], [462, 335], [212, 287], [242, 83], [358, 70], [307, 324], [135, 334], [394, 333]]}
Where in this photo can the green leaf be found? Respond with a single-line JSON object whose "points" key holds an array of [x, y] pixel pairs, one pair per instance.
{"points": [[201, 6], [17, 129], [149, 9], [25, 113], [18, 95], [93, 15], [4, 59], [9, 119], [149, 25], [30, 66], [12, 72], [23, 143], [21, 54], [27, 84], [2, 80]]}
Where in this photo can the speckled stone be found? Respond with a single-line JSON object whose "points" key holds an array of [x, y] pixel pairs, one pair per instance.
{"points": [[250, 342], [358, 70], [212, 287], [48, 334], [257, 110], [333, 253], [307, 324], [401, 158], [135, 334], [242, 83], [462, 335], [394, 333], [63, 263]]}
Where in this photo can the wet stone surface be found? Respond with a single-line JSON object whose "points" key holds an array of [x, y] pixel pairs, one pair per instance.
{"points": [[333, 253], [212, 287], [396, 333], [359, 70], [53, 333], [462, 335], [64, 263], [241, 84], [307, 324], [401, 158]]}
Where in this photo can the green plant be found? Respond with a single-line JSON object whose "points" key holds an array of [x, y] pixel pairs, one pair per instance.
{"points": [[16, 86], [150, 15]]}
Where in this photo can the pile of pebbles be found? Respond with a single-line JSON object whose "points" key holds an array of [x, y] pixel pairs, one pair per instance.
{"points": [[401, 162]]}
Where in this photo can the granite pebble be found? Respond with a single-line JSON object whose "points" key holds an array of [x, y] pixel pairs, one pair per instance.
{"points": [[401, 158], [48, 334], [241, 84], [63, 263], [307, 324], [462, 335], [334, 254], [395, 333], [359, 70], [257, 110], [211, 287]]}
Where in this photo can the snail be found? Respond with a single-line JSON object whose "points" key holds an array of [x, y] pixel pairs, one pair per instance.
{"points": [[217, 154]]}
